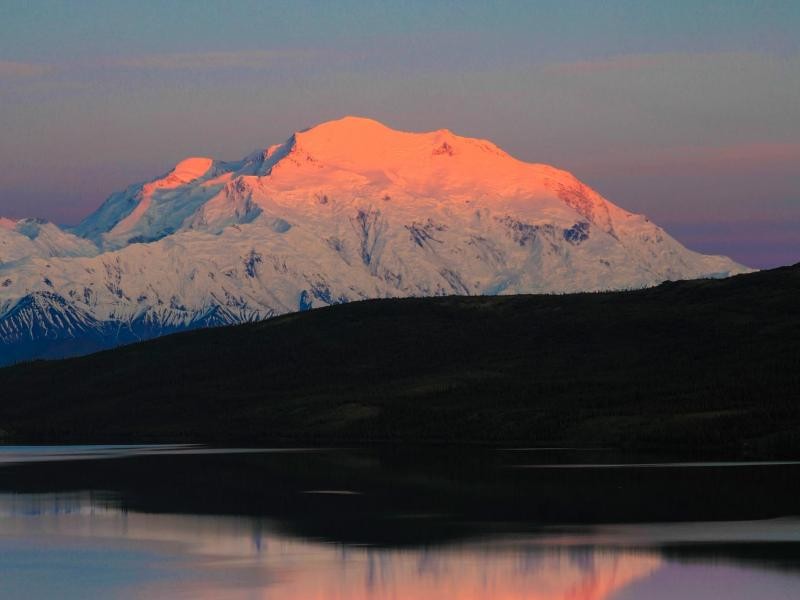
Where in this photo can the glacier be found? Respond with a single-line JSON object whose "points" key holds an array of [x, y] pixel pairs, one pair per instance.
{"points": [[347, 210]]}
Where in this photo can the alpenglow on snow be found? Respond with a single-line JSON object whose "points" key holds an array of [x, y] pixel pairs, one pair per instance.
{"points": [[347, 210]]}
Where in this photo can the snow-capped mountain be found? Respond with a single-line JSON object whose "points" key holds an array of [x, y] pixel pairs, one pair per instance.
{"points": [[347, 210]]}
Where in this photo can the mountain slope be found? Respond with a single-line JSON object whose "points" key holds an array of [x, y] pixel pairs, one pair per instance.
{"points": [[709, 363], [347, 210], [36, 238]]}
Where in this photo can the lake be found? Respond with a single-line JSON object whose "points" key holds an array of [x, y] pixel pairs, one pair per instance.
{"points": [[419, 523]]}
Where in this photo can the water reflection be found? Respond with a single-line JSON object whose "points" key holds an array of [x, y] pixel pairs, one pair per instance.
{"points": [[215, 556], [10, 455], [178, 521]]}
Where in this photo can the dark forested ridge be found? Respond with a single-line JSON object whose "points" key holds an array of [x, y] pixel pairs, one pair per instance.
{"points": [[692, 364]]}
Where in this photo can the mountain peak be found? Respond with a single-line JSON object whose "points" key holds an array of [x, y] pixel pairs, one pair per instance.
{"points": [[339, 134], [365, 132], [422, 162], [193, 166], [351, 123], [186, 171]]}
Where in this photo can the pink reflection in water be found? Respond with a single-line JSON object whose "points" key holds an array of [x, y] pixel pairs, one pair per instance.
{"points": [[228, 557]]}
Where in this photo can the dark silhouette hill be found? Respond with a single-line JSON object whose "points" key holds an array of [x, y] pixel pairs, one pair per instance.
{"points": [[686, 365]]}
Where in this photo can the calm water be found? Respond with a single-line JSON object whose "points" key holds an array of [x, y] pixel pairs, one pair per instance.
{"points": [[177, 521]]}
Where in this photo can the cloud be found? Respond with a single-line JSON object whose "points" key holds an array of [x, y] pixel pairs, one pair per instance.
{"points": [[186, 61], [253, 59], [616, 63], [21, 69], [743, 155], [753, 155], [636, 63]]}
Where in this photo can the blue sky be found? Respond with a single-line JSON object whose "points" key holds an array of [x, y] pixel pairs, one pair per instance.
{"points": [[686, 111]]}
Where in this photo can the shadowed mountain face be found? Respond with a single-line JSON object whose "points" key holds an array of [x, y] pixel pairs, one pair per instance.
{"points": [[694, 364], [348, 210]]}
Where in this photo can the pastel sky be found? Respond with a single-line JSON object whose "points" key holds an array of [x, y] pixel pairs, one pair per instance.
{"points": [[687, 111]]}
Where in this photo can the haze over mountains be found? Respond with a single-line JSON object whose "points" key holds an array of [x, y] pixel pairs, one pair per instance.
{"points": [[347, 210]]}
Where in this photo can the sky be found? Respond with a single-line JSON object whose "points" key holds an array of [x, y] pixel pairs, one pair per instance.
{"points": [[687, 111]]}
